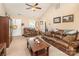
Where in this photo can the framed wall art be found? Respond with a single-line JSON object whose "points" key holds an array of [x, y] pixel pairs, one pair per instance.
{"points": [[57, 20], [68, 18]]}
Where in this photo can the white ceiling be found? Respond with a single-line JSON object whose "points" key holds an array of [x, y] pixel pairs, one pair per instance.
{"points": [[16, 9]]}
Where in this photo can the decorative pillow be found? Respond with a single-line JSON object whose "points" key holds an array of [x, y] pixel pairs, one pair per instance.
{"points": [[59, 34]]}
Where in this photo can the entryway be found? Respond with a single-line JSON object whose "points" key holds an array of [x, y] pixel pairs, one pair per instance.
{"points": [[17, 27]]}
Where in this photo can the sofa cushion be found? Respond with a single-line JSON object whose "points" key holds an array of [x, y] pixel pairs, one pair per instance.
{"points": [[58, 41], [69, 38], [58, 36]]}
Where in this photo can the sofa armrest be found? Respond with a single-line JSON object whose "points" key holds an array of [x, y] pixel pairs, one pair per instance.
{"points": [[71, 51], [75, 44]]}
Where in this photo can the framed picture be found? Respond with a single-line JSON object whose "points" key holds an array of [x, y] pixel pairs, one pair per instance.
{"points": [[57, 20], [68, 18], [41, 22]]}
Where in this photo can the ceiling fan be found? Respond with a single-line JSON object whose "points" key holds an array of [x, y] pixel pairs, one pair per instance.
{"points": [[33, 7]]}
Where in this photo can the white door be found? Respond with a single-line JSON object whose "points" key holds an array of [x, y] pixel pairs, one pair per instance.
{"points": [[42, 27], [18, 30]]}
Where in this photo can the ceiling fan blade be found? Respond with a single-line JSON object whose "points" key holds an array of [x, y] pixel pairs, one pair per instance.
{"points": [[28, 5], [36, 4], [38, 8]]}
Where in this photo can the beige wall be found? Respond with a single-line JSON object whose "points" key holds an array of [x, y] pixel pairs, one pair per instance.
{"points": [[2, 11], [65, 9]]}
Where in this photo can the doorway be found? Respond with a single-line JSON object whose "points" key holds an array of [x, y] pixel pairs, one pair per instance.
{"points": [[17, 28]]}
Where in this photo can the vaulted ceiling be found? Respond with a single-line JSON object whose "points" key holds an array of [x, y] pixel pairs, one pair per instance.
{"points": [[16, 9]]}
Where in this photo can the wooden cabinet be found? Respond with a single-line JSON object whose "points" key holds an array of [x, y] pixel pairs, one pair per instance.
{"points": [[5, 31]]}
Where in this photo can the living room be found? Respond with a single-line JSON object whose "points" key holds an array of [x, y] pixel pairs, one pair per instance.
{"points": [[56, 24]]}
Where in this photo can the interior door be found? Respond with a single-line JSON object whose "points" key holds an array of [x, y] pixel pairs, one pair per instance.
{"points": [[42, 26], [18, 30]]}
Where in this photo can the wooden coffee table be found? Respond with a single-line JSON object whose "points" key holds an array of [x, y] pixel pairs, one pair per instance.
{"points": [[37, 49]]}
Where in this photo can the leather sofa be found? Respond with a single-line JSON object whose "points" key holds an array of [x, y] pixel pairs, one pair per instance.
{"points": [[29, 32], [64, 42]]}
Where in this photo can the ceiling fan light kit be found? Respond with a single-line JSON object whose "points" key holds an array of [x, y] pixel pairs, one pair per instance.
{"points": [[33, 9]]}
